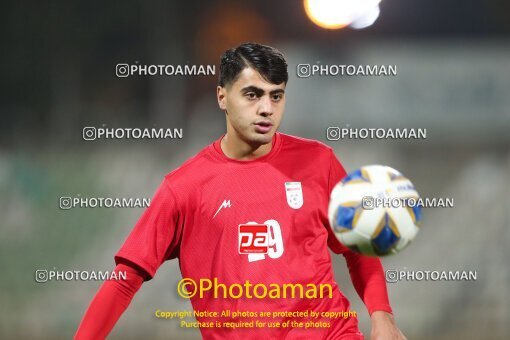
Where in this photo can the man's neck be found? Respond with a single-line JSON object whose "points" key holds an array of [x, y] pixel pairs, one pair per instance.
{"points": [[235, 148]]}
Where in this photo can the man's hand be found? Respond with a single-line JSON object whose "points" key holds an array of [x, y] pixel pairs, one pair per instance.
{"points": [[384, 328]]}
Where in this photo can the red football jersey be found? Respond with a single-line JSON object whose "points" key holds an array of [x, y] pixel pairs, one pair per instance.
{"points": [[264, 221]]}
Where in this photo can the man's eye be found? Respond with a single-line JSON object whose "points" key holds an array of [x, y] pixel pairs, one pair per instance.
{"points": [[251, 95], [277, 97]]}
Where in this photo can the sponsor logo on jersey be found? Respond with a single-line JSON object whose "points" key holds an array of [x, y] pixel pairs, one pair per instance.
{"points": [[253, 239], [294, 194], [260, 240]]}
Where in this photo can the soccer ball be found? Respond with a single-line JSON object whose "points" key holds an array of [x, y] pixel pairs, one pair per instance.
{"points": [[374, 211]]}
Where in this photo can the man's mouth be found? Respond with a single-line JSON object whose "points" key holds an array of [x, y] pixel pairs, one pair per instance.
{"points": [[263, 126]]}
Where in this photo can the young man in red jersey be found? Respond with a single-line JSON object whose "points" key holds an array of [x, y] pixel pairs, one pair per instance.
{"points": [[252, 177]]}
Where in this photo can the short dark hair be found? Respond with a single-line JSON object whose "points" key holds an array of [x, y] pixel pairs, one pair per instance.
{"points": [[266, 60]]}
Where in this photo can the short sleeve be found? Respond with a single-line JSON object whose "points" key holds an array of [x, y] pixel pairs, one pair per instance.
{"points": [[156, 236], [336, 174]]}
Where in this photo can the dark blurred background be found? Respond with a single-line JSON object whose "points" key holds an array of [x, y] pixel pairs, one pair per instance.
{"points": [[58, 75]]}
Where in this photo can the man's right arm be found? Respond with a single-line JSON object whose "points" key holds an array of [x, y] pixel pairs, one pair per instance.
{"points": [[110, 302], [154, 239]]}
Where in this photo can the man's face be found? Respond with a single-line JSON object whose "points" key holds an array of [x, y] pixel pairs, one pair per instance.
{"points": [[254, 107]]}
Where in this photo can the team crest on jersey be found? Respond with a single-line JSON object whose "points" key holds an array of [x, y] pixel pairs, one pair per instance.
{"points": [[294, 194]]}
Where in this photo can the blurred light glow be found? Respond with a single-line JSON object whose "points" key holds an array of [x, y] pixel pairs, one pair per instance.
{"points": [[367, 19], [336, 14]]}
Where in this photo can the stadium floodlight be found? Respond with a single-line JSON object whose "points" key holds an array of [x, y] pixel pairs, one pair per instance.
{"points": [[336, 14]]}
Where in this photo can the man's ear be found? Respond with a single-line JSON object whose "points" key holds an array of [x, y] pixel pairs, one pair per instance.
{"points": [[221, 96]]}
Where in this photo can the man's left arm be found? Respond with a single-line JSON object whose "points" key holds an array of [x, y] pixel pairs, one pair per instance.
{"points": [[368, 278]]}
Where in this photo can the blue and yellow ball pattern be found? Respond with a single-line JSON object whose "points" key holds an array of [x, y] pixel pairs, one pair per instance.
{"points": [[373, 211]]}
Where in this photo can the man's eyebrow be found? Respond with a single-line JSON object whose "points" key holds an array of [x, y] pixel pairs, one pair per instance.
{"points": [[259, 92], [277, 91]]}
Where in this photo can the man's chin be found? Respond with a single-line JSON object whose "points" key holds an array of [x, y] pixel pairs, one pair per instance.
{"points": [[259, 139], [264, 138]]}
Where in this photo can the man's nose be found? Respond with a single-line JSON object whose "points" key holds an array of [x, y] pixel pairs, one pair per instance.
{"points": [[265, 106]]}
